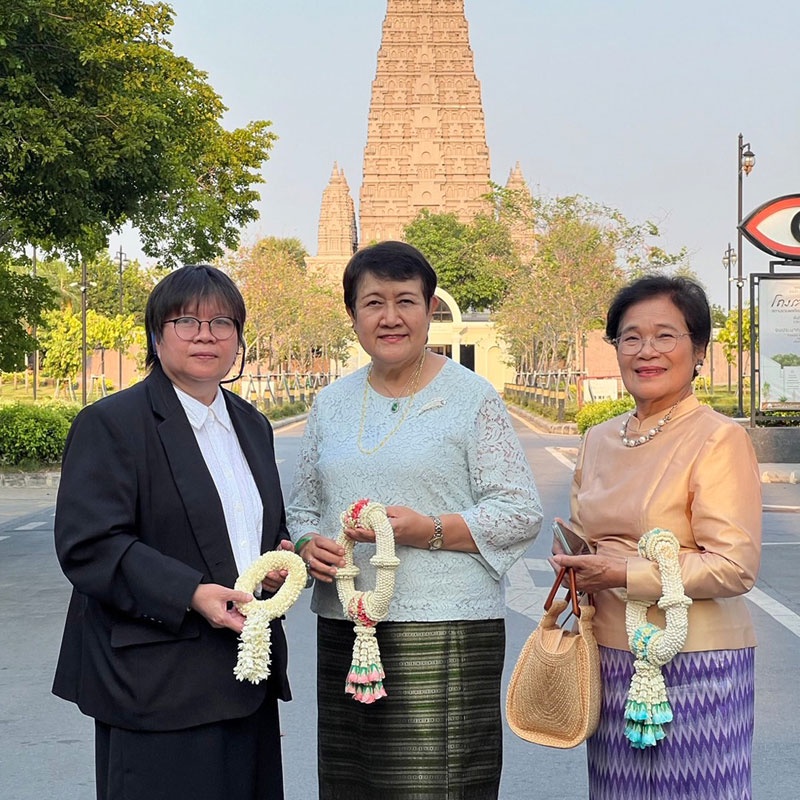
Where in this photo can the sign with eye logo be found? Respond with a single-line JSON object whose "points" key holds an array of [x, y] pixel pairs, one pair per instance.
{"points": [[774, 227]]}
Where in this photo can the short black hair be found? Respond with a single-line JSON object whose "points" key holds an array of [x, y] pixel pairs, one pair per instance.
{"points": [[186, 287], [687, 296], [393, 261]]}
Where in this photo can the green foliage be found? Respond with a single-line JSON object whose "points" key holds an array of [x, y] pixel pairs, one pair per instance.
{"points": [[787, 359], [473, 261], [101, 123], [594, 413], [718, 316], [287, 410], [33, 433], [103, 292], [62, 339], [23, 299], [728, 336]]}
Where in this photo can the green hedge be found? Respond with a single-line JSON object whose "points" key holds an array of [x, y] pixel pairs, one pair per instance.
{"points": [[287, 410], [595, 413], [34, 433]]}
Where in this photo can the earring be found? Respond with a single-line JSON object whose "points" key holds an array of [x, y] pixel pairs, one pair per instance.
{"points": [[698, 366]]}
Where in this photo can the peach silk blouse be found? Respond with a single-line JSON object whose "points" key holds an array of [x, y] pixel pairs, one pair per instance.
{"points": [[698, 478]]}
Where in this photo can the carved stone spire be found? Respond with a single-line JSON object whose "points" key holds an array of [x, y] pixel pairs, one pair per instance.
{"points": [[520, 217], [426, 136], [337, 219]]}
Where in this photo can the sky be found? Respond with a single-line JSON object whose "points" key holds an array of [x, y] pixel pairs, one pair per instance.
{"points": [[635, 104]]}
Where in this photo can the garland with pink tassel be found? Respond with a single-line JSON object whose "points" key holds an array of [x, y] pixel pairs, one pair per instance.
{"points": [[366, 609]]}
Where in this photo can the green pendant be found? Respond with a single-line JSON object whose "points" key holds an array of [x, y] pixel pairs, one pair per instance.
{"points": [[395, 406]]}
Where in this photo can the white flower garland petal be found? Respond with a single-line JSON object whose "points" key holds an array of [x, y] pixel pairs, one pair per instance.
{"points": [[367, 609], [647, 709], [255, 645]]}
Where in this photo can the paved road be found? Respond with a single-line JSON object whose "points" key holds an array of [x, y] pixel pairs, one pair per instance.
{"points": [[46, 744]]}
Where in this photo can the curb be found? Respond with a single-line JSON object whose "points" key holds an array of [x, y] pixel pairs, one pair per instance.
{"points": [[543, 425], [48, 480], [51, 478], [780, 477]]}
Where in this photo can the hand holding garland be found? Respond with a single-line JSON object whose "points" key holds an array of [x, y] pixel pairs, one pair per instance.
{"points": [[216, 604], [255, 644], [413, 529], [322, 556]]}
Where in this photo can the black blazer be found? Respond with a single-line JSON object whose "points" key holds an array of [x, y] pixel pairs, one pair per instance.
{"points": [[139, 524]]}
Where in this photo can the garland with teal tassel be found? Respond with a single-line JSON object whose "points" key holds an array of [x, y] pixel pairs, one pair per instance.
{"points": [[647, 710]]}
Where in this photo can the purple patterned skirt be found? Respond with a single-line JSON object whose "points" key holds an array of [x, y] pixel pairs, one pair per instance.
{"points": [[706, 754]]}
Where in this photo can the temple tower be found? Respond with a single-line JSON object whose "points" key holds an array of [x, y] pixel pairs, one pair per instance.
{"points": [[337, 238], [426, 136], [521, 220], [337, 220]]}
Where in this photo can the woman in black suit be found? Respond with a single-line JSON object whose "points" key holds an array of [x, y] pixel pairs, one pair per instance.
{"points": [[168, 491]]}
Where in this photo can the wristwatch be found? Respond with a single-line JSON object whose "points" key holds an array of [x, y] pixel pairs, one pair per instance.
{"points": [[437, 540]]}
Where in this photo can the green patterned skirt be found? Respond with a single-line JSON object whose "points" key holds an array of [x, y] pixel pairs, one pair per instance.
{"points": [[438, 733]]}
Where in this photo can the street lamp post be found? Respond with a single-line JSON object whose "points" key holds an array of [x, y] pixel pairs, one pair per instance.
{"points": [[746, 160], [123, 262], [84, 286], [729, 259], [36, 351]]}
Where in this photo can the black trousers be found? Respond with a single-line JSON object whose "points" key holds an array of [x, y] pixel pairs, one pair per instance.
{"points": [[237, 759]]}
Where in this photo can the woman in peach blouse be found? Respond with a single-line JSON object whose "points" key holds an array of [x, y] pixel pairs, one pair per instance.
{"points": [[678, 465]]}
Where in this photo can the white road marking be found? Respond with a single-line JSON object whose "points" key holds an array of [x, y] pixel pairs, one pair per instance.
{"points": [[522, 594], [31, 526], [559, 456], [778, 611], [3, 537], [779, 544], [526, 598]]}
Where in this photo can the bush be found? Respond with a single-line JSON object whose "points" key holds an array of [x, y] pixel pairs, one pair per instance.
{"points": [[594, 413], [34, 432], [287, 410]]}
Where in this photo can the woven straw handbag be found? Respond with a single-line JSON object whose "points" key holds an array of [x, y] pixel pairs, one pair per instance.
{"points": [[554, 695]]}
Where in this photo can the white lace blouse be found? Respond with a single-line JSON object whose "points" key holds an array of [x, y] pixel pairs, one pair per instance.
{"points": [[456, 452]]}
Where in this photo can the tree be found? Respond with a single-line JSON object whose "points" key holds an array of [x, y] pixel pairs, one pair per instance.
{"points": [[474, 261], [718, 316], [728, 337], [583, 253], [101, 123], [102, 273], [62, 339], [292, 316], [787, 359], [23, 299], [571, 278]]}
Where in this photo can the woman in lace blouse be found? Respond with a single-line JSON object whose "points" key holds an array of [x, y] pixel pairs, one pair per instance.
{"points": [[431, 441]]}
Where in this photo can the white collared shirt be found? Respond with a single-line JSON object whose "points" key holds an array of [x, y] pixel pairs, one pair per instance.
{"points": [[222, 453]]}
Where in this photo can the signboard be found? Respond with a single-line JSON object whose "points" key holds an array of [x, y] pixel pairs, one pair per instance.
{"points": [[779, 343], [774, 227]]}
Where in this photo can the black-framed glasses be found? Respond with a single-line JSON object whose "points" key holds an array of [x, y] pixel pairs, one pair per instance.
{"points": [[187, 328], [631, 344]]}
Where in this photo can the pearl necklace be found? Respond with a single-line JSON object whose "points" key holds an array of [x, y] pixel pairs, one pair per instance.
{"points": [[646, 437], [393, 431]]}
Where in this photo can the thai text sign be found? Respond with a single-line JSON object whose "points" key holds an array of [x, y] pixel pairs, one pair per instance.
{"points": [[779, 343]]}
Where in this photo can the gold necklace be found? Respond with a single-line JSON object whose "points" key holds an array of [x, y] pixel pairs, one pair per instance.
{"points": [[393, 431], [645, 437], [404, 392]]}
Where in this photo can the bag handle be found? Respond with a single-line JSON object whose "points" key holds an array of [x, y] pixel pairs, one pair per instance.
{"points": [[572, 591]]}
